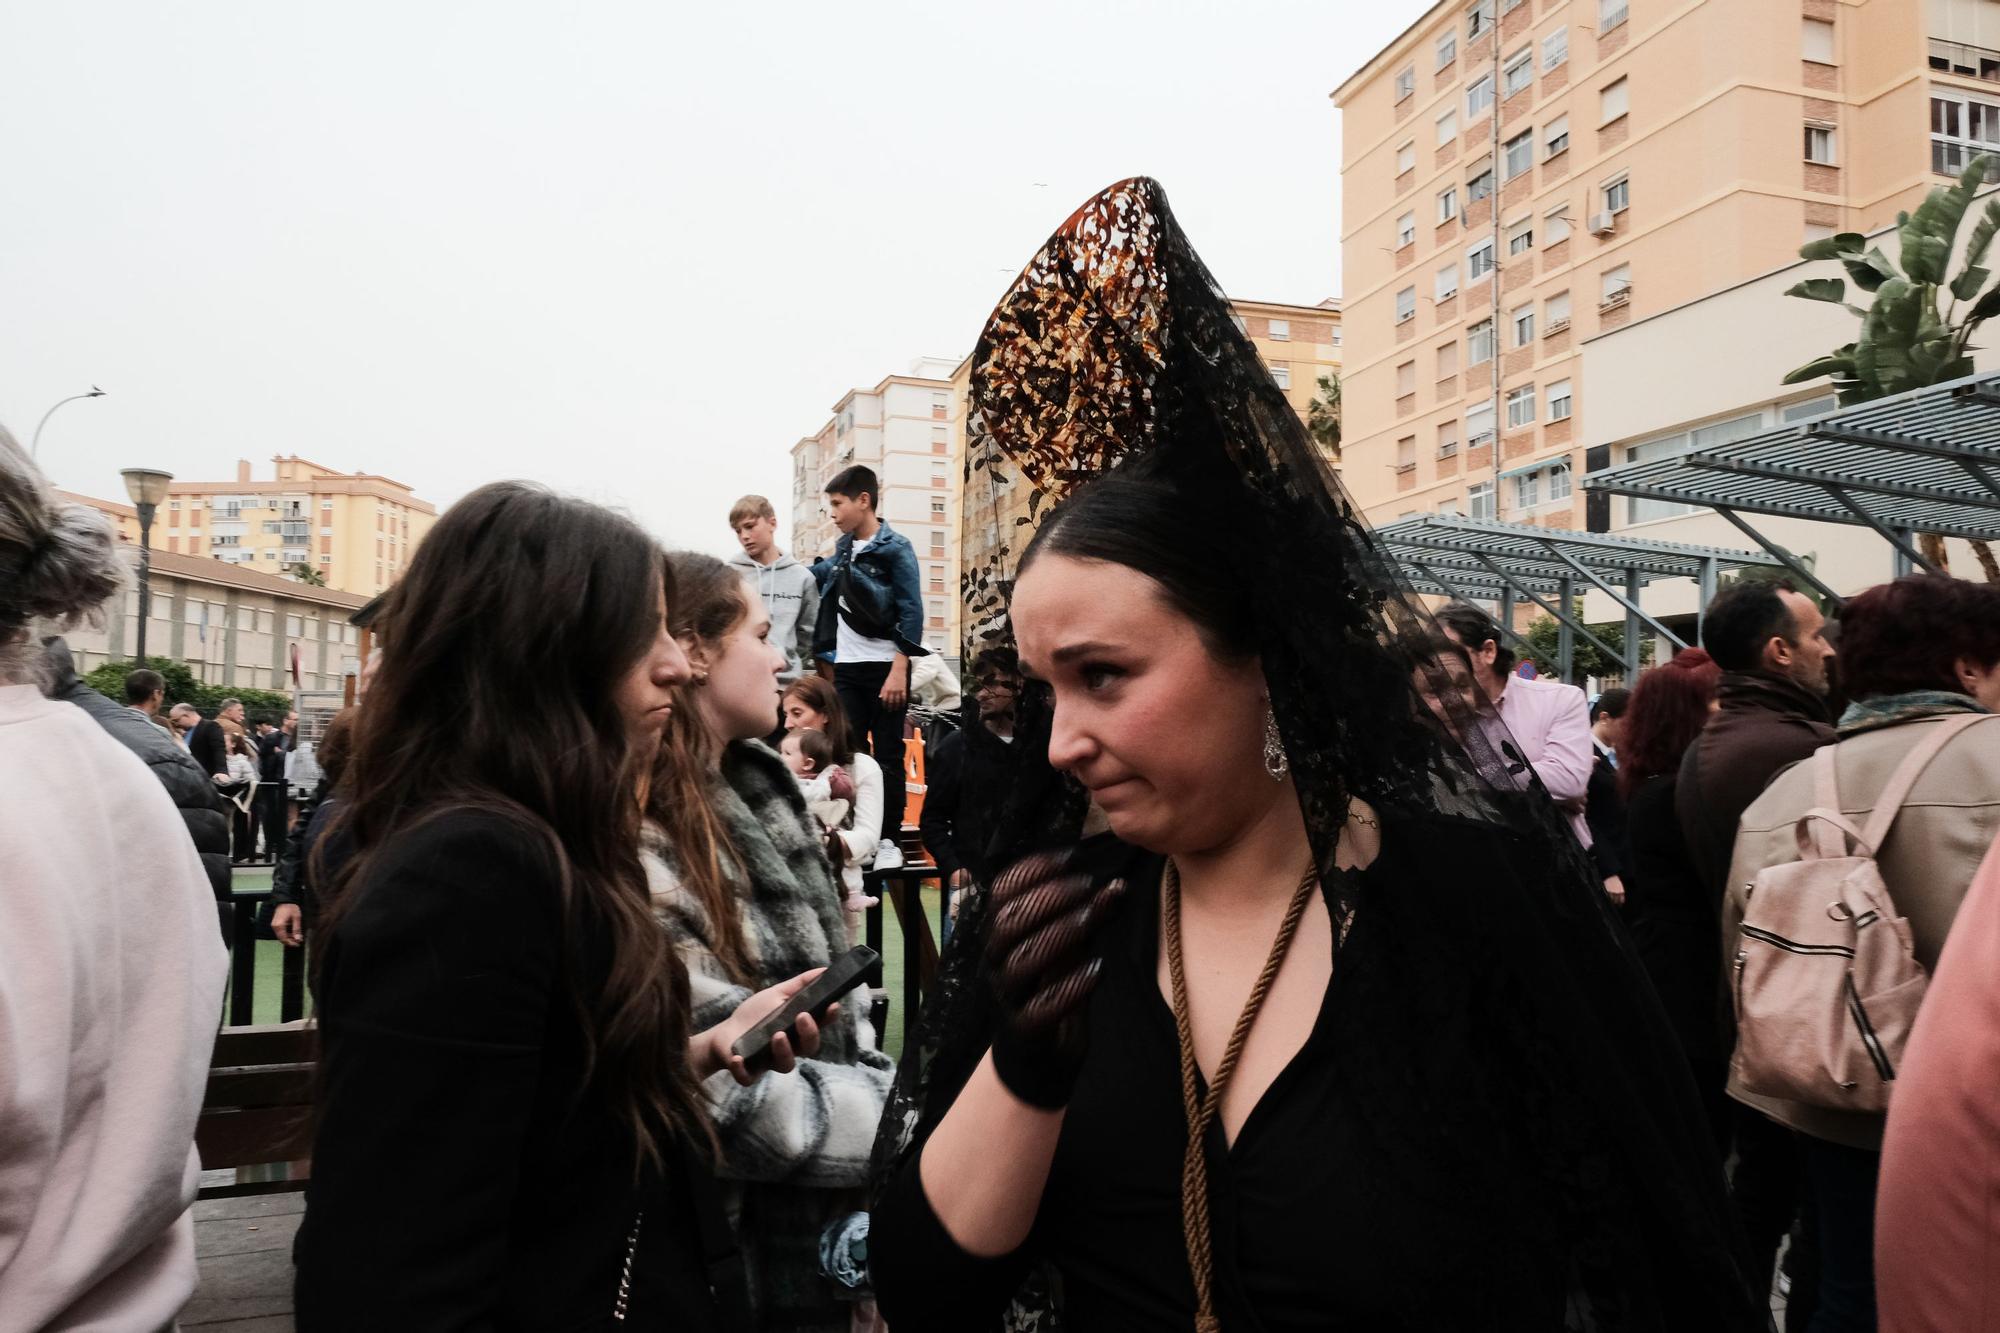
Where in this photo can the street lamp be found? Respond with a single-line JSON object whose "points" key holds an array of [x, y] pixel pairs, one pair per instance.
{"points": [[147, 487], [35, 445]]}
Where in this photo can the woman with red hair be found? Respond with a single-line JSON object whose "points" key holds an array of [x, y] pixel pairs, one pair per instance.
{"points": [[1674, 917]]}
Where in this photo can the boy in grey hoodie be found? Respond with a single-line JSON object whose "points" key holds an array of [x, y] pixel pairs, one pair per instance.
{"points": [[788, 588]]}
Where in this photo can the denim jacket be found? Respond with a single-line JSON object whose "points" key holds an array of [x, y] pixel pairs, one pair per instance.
{"points": [[888, 563]]}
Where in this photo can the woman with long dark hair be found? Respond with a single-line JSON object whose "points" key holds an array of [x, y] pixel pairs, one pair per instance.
{"points": [[1338, 1029], [1675, 919], [747, 894], [511, 1132]]}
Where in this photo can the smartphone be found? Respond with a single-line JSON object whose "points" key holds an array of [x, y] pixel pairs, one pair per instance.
{"points": [[815, 998]]}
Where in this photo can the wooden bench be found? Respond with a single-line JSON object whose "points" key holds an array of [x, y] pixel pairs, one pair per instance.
{"points": [[256, 1116]]}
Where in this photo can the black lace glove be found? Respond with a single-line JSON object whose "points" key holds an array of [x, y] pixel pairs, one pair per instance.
{"points": [[1044, 963]]}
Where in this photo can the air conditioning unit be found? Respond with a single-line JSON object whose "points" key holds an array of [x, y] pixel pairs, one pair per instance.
{"points": [[1603, 224]]}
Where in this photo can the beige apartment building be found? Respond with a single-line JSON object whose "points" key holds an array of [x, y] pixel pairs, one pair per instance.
{"points": [[1521, 176], [1300, 343], [357, 529], [902, 429]]}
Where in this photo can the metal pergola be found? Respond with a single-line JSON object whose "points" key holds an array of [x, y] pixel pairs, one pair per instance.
{"points": [[1510, 563], [1923, 461]]}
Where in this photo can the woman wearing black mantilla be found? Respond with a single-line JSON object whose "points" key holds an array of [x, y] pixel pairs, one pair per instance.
{"points": [[1328, 943]]}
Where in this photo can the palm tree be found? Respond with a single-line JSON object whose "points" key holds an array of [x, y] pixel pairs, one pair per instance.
{"points": [[1323, 416], [307, 575]]}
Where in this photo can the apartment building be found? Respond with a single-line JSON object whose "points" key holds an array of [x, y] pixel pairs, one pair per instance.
{"points": [[1521, 176], [357, 530], [901, 428], [1300, 343]]}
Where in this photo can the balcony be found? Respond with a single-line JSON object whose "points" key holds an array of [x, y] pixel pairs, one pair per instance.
{"points": [[1972, 62]]}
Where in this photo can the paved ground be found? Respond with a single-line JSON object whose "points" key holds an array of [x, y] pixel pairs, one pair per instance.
{"points": [[244, 1247]]}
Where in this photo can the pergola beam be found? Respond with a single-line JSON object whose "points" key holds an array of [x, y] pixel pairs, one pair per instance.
{"points": [[1710, 499], [1632, 607], [1895, 539], [1785, 557], [1562, 617], [1814, 477]]}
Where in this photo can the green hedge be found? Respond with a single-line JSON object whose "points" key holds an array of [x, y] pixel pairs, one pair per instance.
{"points": [[182, 688]]}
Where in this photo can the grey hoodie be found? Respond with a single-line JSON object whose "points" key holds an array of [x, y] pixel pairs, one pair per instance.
{"points": [[791, 595]]}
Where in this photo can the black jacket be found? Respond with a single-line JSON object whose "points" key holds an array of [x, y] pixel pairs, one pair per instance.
{"points": [[193, 792], [271, 757], [1766, 723], [1604, 811], [969, 777], [453, 1063], [209, 746]]}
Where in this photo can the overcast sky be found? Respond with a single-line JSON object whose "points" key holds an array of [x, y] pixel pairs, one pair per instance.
{"points": [[634, 250]]}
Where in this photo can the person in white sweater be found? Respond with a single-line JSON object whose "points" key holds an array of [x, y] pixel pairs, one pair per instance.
{"points": [[111, 972]]}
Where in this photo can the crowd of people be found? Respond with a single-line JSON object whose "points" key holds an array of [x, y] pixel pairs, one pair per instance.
{"points": [[1312, 963]]}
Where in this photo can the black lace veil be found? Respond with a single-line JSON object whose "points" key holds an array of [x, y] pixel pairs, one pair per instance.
{"points": [[1115, 348]]}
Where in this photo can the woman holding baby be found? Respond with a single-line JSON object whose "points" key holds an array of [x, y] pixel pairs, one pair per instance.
{"points": [[737, 871]]}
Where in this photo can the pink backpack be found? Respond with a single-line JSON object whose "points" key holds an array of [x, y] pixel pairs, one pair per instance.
{"points": [[1826, 985]]}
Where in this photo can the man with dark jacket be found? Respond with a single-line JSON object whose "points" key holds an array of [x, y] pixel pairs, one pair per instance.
{"points": [[272, 746], [1771, 645], [210, 747], [969, 774], [192, 790], [1603, 807]]}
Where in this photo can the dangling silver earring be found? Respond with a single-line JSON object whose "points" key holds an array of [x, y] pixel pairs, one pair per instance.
{"points": [[1275, 762]]}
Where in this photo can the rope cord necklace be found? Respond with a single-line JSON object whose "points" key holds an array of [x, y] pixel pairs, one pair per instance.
{"points": [[1201, 1113]]}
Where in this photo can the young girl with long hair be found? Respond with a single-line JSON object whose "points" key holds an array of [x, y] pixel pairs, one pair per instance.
{"points": [[739, 877], [511, 1133]]}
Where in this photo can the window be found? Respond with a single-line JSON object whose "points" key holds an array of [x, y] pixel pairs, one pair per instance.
{"points": [[1479, 260], [1815, 231], [1555, 312], [1281, 329], [1805, 411], [937, 509], [1479, 424], [1406, 158], [1447, 49], [1610, 13], [1447, 204], [1522, 322], [326, 560], [1617, 195], [1479, 343], [1555, 48], [940, 405], [1961, 129], [1555, 137], [1447, 282], [1818, 41], [1521, 407], [1819, 144], [1559, 482], [1479, 18], [1639, 509], [1521, 237], [326, 504], [1555, 226], [1447, 439], [1406, 454], [1519, 71], [1406, 378], [1406, 232], [1406, 82], [1559, 401], [1478, 96], [173, 506], [1519, 155], [1447, 359], [1617, 283], [293, 629], [1527, 490], [1281, 375], [1481, 183], [1479, 501], [1447, 128], [1612, 102], [1406, 304]]}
